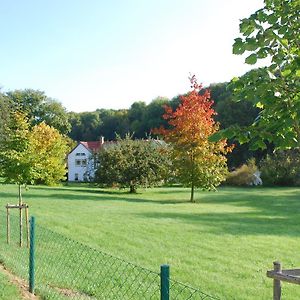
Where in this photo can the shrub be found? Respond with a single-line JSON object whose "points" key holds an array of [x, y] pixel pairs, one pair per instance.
{"points": [[282, 168], [244, 175]]}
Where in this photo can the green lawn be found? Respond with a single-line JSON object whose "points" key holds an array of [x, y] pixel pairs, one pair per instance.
{"points": [[8, 291], [224, 244]]}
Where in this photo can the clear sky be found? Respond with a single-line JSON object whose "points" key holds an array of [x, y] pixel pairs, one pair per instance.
{"points": [[91, 54]]}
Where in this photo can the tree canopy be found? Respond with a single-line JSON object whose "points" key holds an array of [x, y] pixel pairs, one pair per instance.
{"points": [[271, 33], [32, 155], [132, 163], [39, 108]]}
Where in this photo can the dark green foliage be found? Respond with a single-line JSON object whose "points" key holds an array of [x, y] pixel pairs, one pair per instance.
{"points": [[281, 168], [234, 113], [4, 115], [133, 163], [38, 108]]}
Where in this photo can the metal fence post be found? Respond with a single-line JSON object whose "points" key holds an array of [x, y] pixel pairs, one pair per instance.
{"points": [[31, 255], [164, 282], [276, 282]]}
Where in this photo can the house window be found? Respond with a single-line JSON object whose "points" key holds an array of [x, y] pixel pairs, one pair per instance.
{"points": [[77, 162], [76, 177], [83, 162], [80, 154]]}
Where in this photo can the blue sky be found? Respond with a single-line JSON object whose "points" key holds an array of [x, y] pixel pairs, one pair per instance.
{"points": [[107, 54]]}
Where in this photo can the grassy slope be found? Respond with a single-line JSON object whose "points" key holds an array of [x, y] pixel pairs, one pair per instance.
{"points": [[224, 244]]}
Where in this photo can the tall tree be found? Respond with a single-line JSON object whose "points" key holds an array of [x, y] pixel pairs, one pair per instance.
{"points": [[198, 162], [133, 163], [38, 107], [272, 32], [32, 155]]}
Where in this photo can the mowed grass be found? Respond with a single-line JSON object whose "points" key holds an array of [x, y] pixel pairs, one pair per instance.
{"points": [[223, 244], [8, 291]]}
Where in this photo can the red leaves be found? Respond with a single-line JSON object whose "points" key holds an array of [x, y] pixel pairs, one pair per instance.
{"points": [[192, 122]]}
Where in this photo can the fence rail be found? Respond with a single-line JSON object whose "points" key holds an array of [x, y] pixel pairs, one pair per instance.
{"points": [[62, 268]]}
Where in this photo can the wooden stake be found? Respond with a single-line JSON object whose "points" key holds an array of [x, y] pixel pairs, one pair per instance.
{"points": [[7, 225], [27, 225], [276, 282], [20, 219]]}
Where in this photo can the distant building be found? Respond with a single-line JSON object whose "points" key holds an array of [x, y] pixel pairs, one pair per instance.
{"points": [[81, 161]]}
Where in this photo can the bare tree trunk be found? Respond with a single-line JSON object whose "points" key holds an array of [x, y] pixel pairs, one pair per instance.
{"points": [[20, 210]]}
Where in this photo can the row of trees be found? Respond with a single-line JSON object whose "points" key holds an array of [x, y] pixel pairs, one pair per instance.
{"points": [[139, 119]]}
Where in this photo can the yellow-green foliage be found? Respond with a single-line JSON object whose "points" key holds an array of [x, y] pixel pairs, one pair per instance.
{"points": [[243, 175]]}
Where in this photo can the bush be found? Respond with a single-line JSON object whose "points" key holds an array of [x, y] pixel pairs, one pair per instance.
{"points": [[282, 168], [244, 175]]}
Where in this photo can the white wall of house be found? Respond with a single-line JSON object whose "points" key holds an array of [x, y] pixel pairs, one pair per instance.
{"points": [[80, 164]]}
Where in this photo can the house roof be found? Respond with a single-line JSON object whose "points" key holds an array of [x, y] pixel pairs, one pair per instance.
{"points": [[93, 146]]}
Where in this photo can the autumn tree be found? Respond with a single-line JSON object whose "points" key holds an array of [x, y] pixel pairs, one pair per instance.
{"points": [[31, 155], [48, 152], [272, 33], [197, 161], [133, 163]]}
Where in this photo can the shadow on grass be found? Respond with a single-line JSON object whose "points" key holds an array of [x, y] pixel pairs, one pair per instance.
{"points": [[81, 195], [252, 223]]}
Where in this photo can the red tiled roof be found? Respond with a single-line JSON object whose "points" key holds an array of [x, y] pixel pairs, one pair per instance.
{"points": [[94, 146]]}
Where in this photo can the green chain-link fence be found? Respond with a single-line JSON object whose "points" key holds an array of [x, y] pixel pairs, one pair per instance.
{"points": [[66, 269]]}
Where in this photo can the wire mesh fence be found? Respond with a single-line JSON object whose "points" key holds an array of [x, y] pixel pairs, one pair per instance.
{"points": [[67, 269]]}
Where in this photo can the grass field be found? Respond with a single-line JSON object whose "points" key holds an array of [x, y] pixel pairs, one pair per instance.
{"points": [[223, 244], [8, 291]]}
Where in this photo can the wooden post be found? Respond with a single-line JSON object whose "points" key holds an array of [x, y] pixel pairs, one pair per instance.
{"points": [[277, 282], [7, 225], [21, 221], [27, 227]]}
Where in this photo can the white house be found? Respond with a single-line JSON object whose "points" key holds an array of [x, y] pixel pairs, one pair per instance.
{"points": [[81, 161]]}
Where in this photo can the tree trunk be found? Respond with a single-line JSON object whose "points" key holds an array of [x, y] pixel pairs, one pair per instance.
{"points": [[192, 192], [20, 212], [192, 179], [132, 189]]}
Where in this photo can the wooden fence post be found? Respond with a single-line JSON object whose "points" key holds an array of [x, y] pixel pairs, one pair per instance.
{"points": [[277, 282]]}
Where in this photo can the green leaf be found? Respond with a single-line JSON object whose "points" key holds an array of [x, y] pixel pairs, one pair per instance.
{"points": [[216, 136], [286, 72], [251, 44], [259, 144], [238, 47], [251, 59], [298, 73]]}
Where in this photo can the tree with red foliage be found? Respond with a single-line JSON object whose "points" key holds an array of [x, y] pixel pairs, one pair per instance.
{"points": [[197, 161]]}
